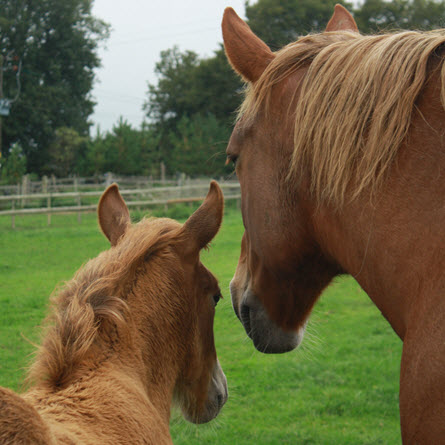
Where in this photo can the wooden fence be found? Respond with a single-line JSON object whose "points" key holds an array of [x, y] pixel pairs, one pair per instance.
{"points": [[51, 184], [85, 201]]}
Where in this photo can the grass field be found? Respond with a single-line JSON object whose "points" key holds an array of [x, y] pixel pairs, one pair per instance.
{"points": [[340, 387]]}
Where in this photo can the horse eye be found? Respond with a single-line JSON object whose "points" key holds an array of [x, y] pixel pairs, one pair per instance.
{"points": [[233, 159], [216, 298]]}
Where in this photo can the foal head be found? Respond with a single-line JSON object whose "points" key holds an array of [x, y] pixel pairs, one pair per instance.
{"points": [[171, 299]]}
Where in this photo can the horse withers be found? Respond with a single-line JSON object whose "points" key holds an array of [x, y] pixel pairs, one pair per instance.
{"points": [[339, 151], [132, 331]]}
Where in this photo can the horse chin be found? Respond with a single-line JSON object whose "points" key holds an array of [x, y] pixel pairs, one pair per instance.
{"points": [[216, 398]]}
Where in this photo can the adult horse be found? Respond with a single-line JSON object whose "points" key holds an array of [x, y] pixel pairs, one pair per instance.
{"points": [[340, 152], [131, 330]]}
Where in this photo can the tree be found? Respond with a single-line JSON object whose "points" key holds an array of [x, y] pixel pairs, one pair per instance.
{"points": [[57, 43], [281, 22], [218, 88], [175, 92], [190, 86], [125, 150], [199, 146], [64, 152], [377, 15]]}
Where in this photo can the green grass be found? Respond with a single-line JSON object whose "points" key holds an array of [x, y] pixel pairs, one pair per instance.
{"points": [[340, 387]]}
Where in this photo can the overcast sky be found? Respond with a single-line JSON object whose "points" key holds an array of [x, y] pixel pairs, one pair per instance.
{"points": [[141, 29]]}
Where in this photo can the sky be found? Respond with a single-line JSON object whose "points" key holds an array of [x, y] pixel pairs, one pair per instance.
{"points": [[140, 30]]}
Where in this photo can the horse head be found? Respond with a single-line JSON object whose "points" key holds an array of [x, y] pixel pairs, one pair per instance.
{"points": [[282, 270]]}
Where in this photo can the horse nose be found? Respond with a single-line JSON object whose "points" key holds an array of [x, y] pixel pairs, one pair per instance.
{"points": [[221, 401]]}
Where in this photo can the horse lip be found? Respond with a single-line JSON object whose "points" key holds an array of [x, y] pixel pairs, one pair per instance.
{"points": [[267, 337], [266, 349]]}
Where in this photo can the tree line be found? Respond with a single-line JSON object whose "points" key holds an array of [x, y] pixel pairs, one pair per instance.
{"points": [[189, 111]]}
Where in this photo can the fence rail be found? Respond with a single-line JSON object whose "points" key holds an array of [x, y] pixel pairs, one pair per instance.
{"points": [[26, 185], [147, 197]]}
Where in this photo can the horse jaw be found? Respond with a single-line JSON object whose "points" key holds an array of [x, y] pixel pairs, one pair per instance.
{"points": [[266, 335]]}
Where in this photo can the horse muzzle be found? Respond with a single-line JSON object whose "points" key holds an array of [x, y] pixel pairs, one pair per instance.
{"points": [[266, 335]]}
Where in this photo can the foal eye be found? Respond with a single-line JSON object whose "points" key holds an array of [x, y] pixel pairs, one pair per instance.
{"points": [[216, 298]]}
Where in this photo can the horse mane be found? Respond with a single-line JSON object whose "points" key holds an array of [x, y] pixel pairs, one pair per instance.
{"points": [[91, 308], [354, 107]]}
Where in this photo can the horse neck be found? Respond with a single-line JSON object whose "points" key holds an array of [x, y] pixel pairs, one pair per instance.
{"points": [[394, 245], [394, 242]]}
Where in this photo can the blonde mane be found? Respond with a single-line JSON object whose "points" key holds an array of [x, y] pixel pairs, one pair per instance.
{"points": [[354, 107], [92, 306]]}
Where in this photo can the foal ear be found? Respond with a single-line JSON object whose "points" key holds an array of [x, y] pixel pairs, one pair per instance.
{"points": [[204, 223], [341, 20], [247, 53], [113, 214]]}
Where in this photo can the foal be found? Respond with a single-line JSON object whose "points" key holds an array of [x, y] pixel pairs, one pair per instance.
{"points": [[131, 331]]}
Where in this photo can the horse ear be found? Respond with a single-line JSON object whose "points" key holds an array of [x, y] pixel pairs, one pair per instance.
{"points": [[341, 20], [113, 214], [204, 223], [247, 53]]}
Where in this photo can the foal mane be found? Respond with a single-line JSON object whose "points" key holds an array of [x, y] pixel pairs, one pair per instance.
{"points": [[91, 309], [354, 107]]}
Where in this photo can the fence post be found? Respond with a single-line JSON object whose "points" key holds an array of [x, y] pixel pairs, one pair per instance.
{"points": [[13, 215], [54, 183], [48, 204], [108, 179], [45, 184], [188, 183], [25, 188], [162, 173], [79, 202]]}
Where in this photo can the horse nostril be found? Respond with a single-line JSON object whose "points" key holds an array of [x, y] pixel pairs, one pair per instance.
{"points": [[245, 313], [220, 400], [245, 317]]}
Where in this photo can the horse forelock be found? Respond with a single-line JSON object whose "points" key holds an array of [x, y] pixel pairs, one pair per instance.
{"points": [[354, 106], [93, 304]]}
